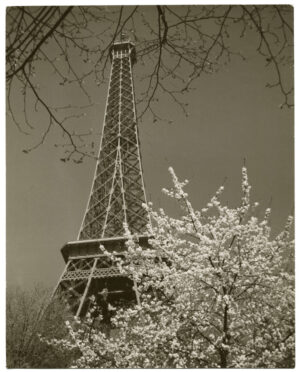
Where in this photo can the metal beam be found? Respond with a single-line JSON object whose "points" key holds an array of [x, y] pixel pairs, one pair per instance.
{"points": [[86, 288]]}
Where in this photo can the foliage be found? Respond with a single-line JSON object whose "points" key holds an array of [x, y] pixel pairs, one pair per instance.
{"points": [[29, 315], [68, 49], [214, 290]]}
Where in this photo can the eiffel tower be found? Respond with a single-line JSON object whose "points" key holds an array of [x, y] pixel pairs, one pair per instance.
{"points": [[116, 198]]}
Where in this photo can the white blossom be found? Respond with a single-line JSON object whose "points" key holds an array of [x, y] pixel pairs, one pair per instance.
{"points": [[215, 291]]}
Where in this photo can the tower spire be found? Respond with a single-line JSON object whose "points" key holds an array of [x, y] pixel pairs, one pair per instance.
{"points": [[116, 198], [117, 195]]}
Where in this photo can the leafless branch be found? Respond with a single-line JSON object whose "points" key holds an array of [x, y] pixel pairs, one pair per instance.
{"points": [[175, 44]]}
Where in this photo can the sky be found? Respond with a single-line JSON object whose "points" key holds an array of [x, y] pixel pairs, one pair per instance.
{"points": [[232, 116]]}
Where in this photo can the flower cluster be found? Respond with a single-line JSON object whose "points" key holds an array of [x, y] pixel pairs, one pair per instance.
{"points": [[214, 290]]}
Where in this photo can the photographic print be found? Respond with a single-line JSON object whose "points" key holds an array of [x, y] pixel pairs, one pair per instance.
{"points": [[150, 186]]}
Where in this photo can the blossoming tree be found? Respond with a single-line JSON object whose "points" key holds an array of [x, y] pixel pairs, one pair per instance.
{"points": [[214, 290]]}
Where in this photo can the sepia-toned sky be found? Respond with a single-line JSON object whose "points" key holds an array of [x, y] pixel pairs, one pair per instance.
{"points": [[232, 116]]}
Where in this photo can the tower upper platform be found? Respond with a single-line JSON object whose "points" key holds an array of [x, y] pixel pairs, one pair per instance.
{"points": [[122, 49]]}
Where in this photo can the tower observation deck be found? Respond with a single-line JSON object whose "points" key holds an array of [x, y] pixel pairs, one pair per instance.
{"points": [[116, 198]]}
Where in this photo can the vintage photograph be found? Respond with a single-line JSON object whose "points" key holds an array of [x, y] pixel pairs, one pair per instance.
{"points": [[150, 186]]}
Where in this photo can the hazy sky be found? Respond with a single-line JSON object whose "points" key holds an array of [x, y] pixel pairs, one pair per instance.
{"points": [[232, 116]]}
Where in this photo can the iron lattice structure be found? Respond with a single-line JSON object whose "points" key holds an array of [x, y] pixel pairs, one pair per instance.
{"points": [[116, 198], [118, 190]]}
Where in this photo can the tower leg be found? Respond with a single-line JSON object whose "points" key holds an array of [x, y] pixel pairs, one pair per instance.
{"points": [[86, 288], [137, 295], [57, 285]]}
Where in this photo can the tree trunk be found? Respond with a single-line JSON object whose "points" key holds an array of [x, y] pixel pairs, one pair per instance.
{"points": [[224, 352]]}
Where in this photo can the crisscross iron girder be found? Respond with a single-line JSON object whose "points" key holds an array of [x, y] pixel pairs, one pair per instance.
{"points": [[117, 193], [74, 284]]}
